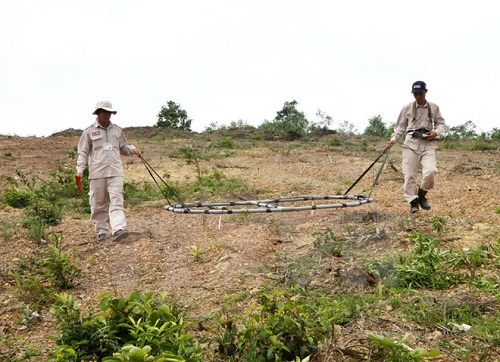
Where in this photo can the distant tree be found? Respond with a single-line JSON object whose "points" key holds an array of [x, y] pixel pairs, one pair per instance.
{"points": [[495, 134], [346, 128], [172, 116], [377, 127], [289, 121], [324, 122], [466, 130]]}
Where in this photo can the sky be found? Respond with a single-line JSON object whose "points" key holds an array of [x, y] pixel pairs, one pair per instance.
{"points": [[225, 61]]}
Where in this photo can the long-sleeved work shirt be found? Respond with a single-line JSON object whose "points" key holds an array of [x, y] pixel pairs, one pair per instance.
{"points": [[101, 148], [413, 117]]}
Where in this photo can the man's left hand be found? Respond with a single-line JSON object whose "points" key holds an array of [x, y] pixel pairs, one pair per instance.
{"points": [[431, 136]]}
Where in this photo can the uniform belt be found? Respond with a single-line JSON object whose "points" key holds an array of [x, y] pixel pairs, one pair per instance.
{"points": [[418, 129]]}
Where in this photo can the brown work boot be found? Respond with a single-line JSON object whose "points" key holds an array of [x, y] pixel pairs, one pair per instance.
{"points": [[414, 205], [424, 204]]}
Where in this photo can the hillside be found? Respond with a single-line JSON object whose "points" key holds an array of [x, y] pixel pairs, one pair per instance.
{"points": [[208, 260]]}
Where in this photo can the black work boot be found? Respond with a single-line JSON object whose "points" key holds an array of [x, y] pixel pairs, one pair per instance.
{"points": [[424, 204], [414, 205]]}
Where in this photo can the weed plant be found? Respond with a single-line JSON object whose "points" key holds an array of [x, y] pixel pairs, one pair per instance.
{"points": [[326, 241], [14, 349], [424, 267], [216, 183], [7, 229], [39, 279], [390, 350], [36, 229], [61, 271], [137, 192], [18, 198]]}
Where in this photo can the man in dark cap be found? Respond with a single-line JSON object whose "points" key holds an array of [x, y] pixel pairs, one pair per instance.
{"points": [[420, 122]]}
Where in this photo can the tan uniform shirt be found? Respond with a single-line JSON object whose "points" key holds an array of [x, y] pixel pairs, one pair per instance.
{"points": [[101, 148], [408, 121]]}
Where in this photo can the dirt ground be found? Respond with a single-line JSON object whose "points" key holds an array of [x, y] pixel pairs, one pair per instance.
{"points": [[239, 251]]}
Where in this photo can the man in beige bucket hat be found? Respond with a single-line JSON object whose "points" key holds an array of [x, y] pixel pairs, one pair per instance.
{"points": [[100, 146]]}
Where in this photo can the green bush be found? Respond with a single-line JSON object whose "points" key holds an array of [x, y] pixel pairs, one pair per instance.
{"points": [[18, 198], [224, 142], [44, 210], [282, 326], [140, 320]]}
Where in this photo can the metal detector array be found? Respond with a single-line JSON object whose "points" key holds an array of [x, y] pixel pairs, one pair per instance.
{"points": [[268, 205], [271, 205]]}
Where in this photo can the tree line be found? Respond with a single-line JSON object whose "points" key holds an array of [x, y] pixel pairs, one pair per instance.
{"points": [[293, 124]]}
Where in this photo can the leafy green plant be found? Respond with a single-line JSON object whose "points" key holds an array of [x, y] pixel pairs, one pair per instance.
{"points": [[438, 223], [37, 279], [142, 320], [196, 253], [59, 268], [132, 353], [424, 267], [18, 197], [471, 259], [192, 156], [397, 351], [282, 326], [33, 288]]}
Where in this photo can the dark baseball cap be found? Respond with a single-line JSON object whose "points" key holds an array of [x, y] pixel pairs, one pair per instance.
{"points": [[419, 87]]}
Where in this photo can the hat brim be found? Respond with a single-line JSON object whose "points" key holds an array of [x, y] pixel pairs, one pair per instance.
{"points": [[106, 109]]}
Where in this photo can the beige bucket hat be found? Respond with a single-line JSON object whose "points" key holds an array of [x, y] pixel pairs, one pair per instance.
{"points": [[106, 105]]}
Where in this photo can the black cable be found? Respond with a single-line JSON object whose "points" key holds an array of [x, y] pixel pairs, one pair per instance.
{"points": [[366, 171], [151, 170]]}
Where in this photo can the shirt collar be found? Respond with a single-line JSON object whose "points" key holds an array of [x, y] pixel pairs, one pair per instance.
{"points": [[97, 125]]}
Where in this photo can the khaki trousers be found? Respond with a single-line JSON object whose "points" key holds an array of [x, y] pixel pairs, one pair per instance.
{"points": [[412, 161], [106, 203]]}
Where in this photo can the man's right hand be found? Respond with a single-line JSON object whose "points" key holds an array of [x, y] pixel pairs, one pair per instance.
{"points": [[390, 144]]}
